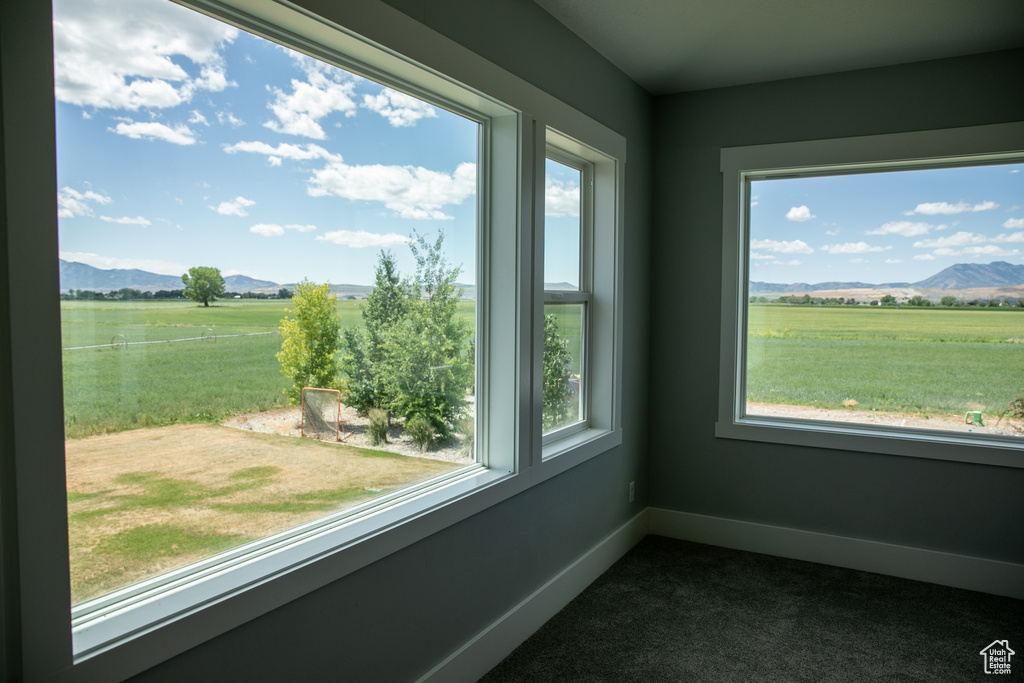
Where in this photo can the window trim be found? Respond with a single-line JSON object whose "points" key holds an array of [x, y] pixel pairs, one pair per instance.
{"points": [[896, 151], [36, 442], [600, 291], [583, 295]]}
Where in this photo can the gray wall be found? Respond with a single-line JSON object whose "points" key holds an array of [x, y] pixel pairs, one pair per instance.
{"points": [[967, 509], [395, 619]]}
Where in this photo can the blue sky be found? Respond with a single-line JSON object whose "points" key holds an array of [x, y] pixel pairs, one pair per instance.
{"points": [[885, 227], [183, 141]]}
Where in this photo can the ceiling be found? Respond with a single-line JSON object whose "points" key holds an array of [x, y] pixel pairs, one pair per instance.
{"points": [[672, 46]]}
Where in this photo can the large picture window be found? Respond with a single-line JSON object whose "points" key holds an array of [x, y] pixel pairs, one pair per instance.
{"points": [[298, 323], [241, 222], [881, 298]]}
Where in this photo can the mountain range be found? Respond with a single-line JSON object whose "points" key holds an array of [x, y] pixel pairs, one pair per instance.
{"points": [[959, 276], [74, 275]]}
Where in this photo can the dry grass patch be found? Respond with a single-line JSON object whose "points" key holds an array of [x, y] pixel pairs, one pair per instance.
{"points": [[144, 502]]}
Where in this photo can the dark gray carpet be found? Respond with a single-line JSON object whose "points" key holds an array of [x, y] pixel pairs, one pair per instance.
{"points": [[677, 611]]}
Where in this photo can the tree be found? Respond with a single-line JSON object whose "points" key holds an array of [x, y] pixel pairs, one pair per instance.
{"points": [[203, 284], [283, 293], [309, 340], [368, 362], [888, 300], [556, 393], [432, 368], [413, 356], [948, 301]]}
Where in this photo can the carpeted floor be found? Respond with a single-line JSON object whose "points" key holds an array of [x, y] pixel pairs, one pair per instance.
{"points": [[678, 611]]}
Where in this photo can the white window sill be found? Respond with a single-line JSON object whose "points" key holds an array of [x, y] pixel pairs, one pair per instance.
{"points": [[1004, 451]]}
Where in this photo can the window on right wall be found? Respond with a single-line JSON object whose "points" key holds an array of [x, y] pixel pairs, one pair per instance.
{"points": [[873, 294]]}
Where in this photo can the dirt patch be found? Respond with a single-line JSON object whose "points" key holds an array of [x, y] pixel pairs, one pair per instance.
{"points": [[145, 501], [945, 422], [288, 422]]}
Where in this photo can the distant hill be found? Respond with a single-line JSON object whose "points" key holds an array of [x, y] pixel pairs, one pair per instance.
{"points": [[971, 275], [74, 275], [800, 287], [243, 283], [959, 276]]}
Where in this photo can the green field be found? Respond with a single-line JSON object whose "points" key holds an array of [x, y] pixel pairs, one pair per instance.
{"points": [[113, 388], [916, 360]]}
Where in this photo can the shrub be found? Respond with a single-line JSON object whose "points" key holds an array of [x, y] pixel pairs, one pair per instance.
{"points": [[1016, 410], [557, 394], [421, 431], [378, 429]]}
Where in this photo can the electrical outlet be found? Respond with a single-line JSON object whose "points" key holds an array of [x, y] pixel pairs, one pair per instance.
{"points": [[632, 490]]}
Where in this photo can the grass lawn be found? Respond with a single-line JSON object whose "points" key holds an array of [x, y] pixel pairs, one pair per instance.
{"points": [[112, 388], [915, 360], [141, 503]]}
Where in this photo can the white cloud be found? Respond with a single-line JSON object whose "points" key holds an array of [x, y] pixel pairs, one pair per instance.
{"points": [[325, 91], [234, 207], [283, 151], [267, 229], [989, 250], [195, 116], [561, 198], [852, 248], [126, 220], [904, 228], [109, 262], [924, 257], [227, 118], [782, 263], [410, 191], [399, 109], [1014, 223], [274, 230], [894, 260], [756, 256], [800, 214], [832, 233], [960, 239], [72, 203], [151, 130], [143, 67], [858, 260], [361, 239], [945, 208], [1015, 237], [774, 246]]}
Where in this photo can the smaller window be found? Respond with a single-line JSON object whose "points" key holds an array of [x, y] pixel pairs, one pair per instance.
{"points": [[871, 294], [566, 294]]}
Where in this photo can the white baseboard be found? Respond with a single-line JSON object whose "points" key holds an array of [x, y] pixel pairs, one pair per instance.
{"points": [[494, 643], [947, 569]]}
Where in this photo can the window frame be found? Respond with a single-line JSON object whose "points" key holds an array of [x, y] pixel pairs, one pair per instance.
{"points": [[600, 274], [381, 38], [897, 151], [583, 295]]}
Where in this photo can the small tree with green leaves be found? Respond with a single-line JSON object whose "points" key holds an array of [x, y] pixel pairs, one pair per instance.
{"points": [[948, 301], [309, 340], [888, 300], [369, 361], [557, 392], [203, 284], [433, 366]]}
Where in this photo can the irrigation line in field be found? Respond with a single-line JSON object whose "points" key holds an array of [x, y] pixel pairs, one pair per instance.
{"points": [[168, 341]]}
